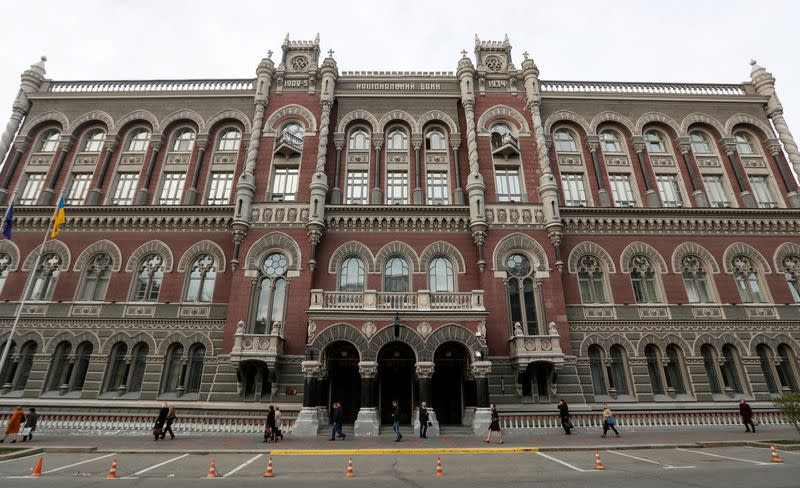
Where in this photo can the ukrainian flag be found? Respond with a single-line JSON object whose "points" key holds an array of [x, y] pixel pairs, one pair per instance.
{"points": [[59, 219]]}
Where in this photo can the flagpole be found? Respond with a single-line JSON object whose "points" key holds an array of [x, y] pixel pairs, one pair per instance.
{"points": [[31, 273]]}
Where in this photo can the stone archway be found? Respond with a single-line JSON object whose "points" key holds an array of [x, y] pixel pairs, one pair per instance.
{"points": [[340, 360], [395, 381], [452, 388], [255, 380]]}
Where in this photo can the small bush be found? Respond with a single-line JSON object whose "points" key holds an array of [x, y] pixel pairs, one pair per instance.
{"points": [[789, 403]]}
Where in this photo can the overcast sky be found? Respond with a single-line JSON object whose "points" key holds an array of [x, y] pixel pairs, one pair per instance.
{"points": [[670, 40]]}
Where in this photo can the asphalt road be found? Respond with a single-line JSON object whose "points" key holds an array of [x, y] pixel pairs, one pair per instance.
{"points": [[730, 467]]}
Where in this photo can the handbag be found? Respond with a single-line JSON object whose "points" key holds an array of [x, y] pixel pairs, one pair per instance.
{"points": [[610, 420], [26, 431], [568, 424], [156, 431]]}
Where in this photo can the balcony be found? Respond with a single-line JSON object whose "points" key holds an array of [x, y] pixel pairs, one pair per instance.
{"points": [[527, 348], [422, 300], [288, 145], [261, 347], [505, 145]]}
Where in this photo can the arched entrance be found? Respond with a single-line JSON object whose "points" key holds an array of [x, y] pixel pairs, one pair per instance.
{"points": [[537, 382], [396, 380], [255, 381], [448, 385], [344, 380]]}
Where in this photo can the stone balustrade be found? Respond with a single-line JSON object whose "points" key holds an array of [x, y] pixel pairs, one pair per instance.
{"points": [[150, 86], [526, 348], [601, 87], [422, 300], [265, 347]]}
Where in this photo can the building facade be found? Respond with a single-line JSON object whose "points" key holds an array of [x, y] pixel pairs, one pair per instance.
{"points": [[309, 236]]}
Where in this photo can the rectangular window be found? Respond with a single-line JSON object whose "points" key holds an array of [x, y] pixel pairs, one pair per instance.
{"points": [[396, 187], [669, 190], [219, 189], [438, 191], [356, 188], [621, 190], [126, 189], [284, 184], [34, 182], [508, 187], [172, 189], [574, 190], [763, 192], [717, 196], [79, 188]]}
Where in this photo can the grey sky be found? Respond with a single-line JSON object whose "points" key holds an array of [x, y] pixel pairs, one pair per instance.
{"points": [[708, 41]]}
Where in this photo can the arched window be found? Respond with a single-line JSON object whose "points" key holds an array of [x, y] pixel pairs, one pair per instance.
{"points": [[710, 365], [435, 141], [94, 141], [618, 378], [745, 144], [500, 128], [565, 141], [611, 141], [596, 356], [786, 369], [147, 284], [701, 144], [295, 130], [730, 369], [229, 140], [440, 275], [791, 270], [96, 278], [5, 266], [395, 275], [184, 140], [139, 140], [656, 142], [397, 140], [359, 140], [521, 293], [117, 367], [653, 356], [272, 296], [24, 365], [351, 275], [746, 275], [674, 369], [197, 354], [138, 365], [695, 279], [59, 367], [49, 141], [590, 280], [45, 277], [765, 358], [83, 354], [7, 373], [173, 369], [202, 276], [643, 279]]}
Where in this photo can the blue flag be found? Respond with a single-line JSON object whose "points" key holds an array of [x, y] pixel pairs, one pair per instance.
{"points": [[8, 221]]}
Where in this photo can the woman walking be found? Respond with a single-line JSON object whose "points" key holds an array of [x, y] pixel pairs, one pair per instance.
{"points": [[158, 427], [609, 422], [269, 433], [563, 412], [168, 425], [494, 426], [278, 416], [14, 421], [30, 425]]}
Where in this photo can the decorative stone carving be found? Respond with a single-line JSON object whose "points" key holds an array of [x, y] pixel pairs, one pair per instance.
{"points": [[707, 313], [368, 369], [424, 369], [481, 330], [85, 310], [369, 329], [761, 313], [188, 311], [311, 369], [599, 313], [424, 329], [553, 329], [481, 369], [240, 328], [518, 329], [311, 330], [140, 310], [653, 312], [662, 161], [617, 161], [276, 328]]}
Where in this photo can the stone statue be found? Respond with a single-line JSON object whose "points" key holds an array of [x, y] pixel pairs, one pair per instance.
{"points": [[553, 329], [518, 329], [240, 328]]}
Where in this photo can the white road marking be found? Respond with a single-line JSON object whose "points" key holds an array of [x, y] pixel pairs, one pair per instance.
{"points": [[237, 468], [79, 463], [565, 463], [666, 466], [155, 466], [725, 457]]}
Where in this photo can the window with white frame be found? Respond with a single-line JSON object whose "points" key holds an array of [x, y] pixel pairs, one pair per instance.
{"points": [[229, 140], [203, 274], [219, 188], [701, 143], [717, 194], [34, 182], [745, 273], [172, 188], [125, 189], [791, 271], [695, 279], [745, 144], [590, 280], [184, 141], [507, 184], [78, 188], [621, 189], [44, 277], [670, 190], [574, 190], [656, 143], [643, 280], [611, 141], [147, 282], [49, 141], [359, 140], [438, 191], [435, 141], [356, 191], [139, 140], [397, 140], [396, 187], [94, 141], [96, 277], [284, 184], [762, 191], [565, 141]]}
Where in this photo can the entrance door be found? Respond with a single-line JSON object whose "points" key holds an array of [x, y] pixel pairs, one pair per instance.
{"points": [[447, 385], [344, 385], [396, 381], [541, 375], [255, 381]]}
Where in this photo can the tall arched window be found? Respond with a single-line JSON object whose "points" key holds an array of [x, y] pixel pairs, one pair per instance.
{"points": [[272, 296], [656, 142], [83, 354], [94, 141], [45, 277], [5, 266], [746, 275], [194, 377], [173, 369], [765, 358], [695, 280], [359, 140], [730, 369], [612, 143], [674, 369], [435, 141], [138, 366], [117, 367], [653, 357], [7, 373], [49, 141], [791, 270], [596, 356], [295, 130], [229, 140], [59, 367], [184, 140], [147, 284], [396, 276], [24, 365], [710, 365], [440, 275], [139, 140], [565, 141], [96, 278], [643, 279], [701, 143], [590, 280], [521, 293], [351, 275], [745, 144], [617, 376], [786, 368], [202, 276], [397, 140]]}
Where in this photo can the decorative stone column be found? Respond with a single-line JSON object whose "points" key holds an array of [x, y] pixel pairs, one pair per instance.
{"points": [[21, 145], [191, 194], [424, 374], [307, 422], [377, 190], [698, 195], [336, 192], [367, 422], [652, 198], [602, 193], [481, 370], [96, 195], [458, 193], [774, 148], [144, 191], [419, 196], [48, 194], [742, 182]]}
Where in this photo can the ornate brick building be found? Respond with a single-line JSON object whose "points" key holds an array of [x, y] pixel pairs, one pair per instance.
{"points": [[311, 235]]}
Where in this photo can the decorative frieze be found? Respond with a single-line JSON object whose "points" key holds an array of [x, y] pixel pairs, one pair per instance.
{"points": [[222, 158], [432, 157], [140, 310], [397, 157], [178, 158], [86, 159], [188, 311], [707, 313], [85, 310], [279, 213], [34, 309], [358, 157], [654, 313], [762, 313], [753, 162], [41, 159], [617, 160], [387, 219], [516, 214], [662, 161], [708, 162], [599, 313], [131, 159], [570, 159]]}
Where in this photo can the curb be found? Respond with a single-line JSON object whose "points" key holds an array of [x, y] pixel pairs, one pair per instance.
{"points": [[29, 451]]}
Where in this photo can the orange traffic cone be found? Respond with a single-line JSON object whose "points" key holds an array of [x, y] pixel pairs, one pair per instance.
{"points": [[37, 471], [212, 469], [112, 473], [268, 473], [775, 457], [439, 471], [598, 464], [350, 472]]}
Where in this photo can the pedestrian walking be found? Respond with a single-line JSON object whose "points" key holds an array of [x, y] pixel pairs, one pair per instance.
{"points": [[168, 424], [278, 417], [337, 417], [494, 426], [269, 432], [14, 422], [563, 413], [396, 420], [30, 425], [747, 415], [423, 421], [158, 427], [609, 422]]}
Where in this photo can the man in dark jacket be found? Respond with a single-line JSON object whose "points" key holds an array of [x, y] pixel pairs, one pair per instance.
{"points": [[396, 420], [563, 413], [747, 416], [336, 418], [162, 417], [30, 423], [423, 421]]}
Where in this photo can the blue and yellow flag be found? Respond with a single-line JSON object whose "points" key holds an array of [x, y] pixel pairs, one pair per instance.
{"points": [[59, 219]]}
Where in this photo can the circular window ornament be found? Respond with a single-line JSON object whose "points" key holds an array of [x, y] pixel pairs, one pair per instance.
{"points": [[518, 265], [494, 64], [275, 265], [299, 63]]}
